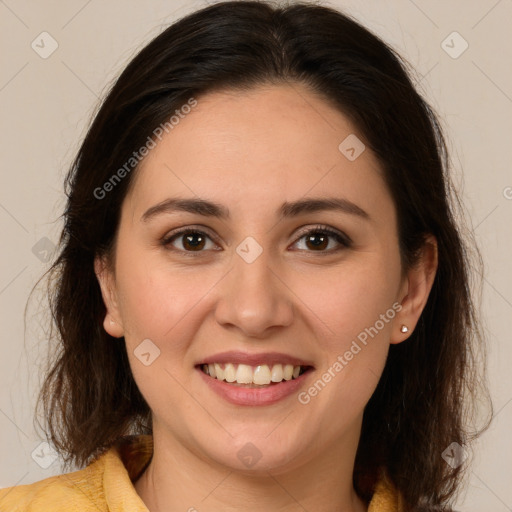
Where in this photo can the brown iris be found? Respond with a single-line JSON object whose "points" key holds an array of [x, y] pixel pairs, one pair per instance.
{"points": [[321, 241], [194, 241]]}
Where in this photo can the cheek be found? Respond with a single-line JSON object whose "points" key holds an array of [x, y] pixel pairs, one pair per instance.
{"points": [[353, 316], [349, 299], [165, 306], [157, 300]]}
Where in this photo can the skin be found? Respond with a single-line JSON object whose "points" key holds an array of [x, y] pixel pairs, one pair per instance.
{"points": [[252, 151]]}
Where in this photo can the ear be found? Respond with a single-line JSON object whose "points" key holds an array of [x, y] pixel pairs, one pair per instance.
{"points": [[415, 290], [112, 322]]}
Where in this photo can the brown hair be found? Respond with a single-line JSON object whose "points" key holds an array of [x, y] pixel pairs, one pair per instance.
{"points": [[423, 400]]}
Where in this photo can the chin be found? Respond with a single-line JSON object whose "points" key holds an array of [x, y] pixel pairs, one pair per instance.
{"points": [[256, 455]]}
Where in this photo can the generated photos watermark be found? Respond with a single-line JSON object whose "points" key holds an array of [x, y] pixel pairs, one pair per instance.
{"points": [[143, 151], [305, 397]]}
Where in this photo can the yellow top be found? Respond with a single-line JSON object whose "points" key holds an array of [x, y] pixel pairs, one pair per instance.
{"points": [[106, 485]]}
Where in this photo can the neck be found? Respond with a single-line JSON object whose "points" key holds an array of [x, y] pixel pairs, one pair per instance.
{"points": [[179, 479]]}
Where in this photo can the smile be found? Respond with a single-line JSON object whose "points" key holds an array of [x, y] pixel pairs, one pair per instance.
{"points": [[253, 376], [290, 380]]}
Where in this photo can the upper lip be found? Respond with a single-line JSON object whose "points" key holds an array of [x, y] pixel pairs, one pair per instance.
{"points": [[268, 358]]}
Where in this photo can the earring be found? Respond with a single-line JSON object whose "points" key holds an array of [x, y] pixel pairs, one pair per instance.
{"points": [[404, 328]]}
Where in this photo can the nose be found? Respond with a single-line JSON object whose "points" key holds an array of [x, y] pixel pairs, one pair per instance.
{"points": [[254, 298]]}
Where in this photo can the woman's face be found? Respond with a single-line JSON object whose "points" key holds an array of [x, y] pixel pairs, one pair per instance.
{"points": [[254, 282]]}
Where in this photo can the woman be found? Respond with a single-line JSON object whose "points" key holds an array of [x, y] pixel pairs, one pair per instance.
{"points": [[262, 296]]}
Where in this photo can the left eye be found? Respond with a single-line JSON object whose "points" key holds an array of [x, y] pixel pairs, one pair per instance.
{"points": [[319, 240]]}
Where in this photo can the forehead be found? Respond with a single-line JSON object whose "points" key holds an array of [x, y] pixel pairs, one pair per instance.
{"points": [[272, 143]]}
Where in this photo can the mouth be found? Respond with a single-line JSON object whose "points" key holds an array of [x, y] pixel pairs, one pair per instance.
{"points": [[253, 376]]}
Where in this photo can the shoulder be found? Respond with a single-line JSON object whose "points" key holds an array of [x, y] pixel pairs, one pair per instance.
{"points": [[81, 491], [386, 497], [104, 485]]}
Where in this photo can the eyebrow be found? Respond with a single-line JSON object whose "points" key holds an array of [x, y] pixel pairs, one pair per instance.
{"points": [[287, 209]]}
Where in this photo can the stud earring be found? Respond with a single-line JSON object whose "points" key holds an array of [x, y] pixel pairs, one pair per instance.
{"points": [[404, 328]]}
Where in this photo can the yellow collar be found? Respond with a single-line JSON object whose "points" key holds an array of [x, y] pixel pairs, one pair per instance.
{"points": [[106, 485]]}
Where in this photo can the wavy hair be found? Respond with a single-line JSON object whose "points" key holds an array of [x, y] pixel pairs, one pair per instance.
{"points": [[425, 398]]}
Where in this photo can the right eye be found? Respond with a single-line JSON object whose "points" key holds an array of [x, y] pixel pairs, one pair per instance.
{"points": [[187, 240]]}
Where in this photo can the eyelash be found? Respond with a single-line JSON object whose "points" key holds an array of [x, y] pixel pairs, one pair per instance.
{"points": [[343, 240]]}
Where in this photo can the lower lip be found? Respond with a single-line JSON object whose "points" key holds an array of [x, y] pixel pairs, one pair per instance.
{"points": [[254, 396]]}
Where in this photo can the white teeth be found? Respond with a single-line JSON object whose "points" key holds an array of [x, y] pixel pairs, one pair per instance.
{"points": [[277, 373], [219, 372], [244, 374], [229, 373], [261, 375]]}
